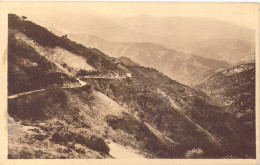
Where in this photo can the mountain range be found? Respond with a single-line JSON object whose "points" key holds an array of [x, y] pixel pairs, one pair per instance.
{"points": [[185, 68], [207, 37]]}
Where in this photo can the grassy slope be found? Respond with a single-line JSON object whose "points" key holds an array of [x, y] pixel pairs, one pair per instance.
{"points": [[28, 71]]}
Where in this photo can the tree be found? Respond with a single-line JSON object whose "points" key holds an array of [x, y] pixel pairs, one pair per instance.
{"points": [[65, 36], [23, 17]]}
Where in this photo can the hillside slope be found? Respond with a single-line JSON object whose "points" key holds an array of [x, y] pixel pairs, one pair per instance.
{"points": [[165, 103], [234, 89]]}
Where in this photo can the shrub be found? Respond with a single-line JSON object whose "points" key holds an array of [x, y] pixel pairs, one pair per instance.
{"points": [[194, 153], [98, 144], [93, 142]]}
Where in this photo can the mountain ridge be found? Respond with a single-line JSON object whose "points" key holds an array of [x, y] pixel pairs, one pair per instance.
{"points": [[173, 63]]}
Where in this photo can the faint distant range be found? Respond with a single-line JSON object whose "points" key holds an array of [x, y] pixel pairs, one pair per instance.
{"points": [[206, 37]]}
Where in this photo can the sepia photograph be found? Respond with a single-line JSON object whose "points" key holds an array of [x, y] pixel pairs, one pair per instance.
{"points": [[130, 80]]}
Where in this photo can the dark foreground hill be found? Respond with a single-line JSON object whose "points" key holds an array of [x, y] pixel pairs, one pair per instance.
{"points": [[69, 101]]}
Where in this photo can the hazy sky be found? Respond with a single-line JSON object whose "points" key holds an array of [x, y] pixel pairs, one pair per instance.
{"points": [[242, 14]]}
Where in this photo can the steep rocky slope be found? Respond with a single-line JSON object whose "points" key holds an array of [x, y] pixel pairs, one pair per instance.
{"points": [[105, 104]]}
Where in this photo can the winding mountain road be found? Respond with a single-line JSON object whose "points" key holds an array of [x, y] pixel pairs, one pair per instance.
{"points": [[24, 93], [82, 83]]}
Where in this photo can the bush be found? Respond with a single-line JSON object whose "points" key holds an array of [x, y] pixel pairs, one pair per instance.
{"points": [[93, 142], [194, 153], [98, 144]]}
